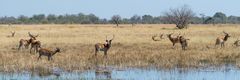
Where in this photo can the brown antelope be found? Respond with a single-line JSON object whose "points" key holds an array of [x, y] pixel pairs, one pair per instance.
{"points": [[154, 38], [12, 34], [103, 47], [26, 42], [183, 42], [48, 53], [222, 39], [34, 43], [174, 40]]}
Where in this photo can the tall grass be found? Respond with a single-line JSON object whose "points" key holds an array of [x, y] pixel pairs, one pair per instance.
{"points": [[132, 47]]}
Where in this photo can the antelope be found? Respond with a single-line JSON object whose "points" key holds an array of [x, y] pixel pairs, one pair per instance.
{"points": [[183, 42], [48, 53], [154, 38], [34, 43], [26, 42], [12, 34], [103, 46], [174, 40], [222, 39]]}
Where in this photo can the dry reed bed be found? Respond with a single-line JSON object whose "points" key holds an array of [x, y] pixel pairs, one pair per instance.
{"points": [[132, 47]]}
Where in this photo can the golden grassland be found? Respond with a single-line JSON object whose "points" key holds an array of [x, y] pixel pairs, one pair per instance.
{"points": [[132, 47]]}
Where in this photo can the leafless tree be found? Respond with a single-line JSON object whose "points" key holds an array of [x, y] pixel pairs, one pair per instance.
{"points": [[179, 16], [116, 19]]}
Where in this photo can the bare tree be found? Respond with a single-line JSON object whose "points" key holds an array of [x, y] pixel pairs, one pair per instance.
{"points": [[179, 16], [116, 19]]}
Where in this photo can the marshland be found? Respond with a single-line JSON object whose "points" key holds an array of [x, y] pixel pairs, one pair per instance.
{"points": [[132, 47]]}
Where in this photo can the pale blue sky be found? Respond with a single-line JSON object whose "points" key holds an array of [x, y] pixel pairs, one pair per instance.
{"points": [[107, 8]]}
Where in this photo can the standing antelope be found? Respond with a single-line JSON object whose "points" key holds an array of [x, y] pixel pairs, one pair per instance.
{"points": [[222, 39], [103, 47], [48, 53], [34, 43], [25, 42], [174, 40]]}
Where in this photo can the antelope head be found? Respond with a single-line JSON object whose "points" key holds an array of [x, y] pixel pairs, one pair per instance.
{"points": [[13, 33], [32, 36], [226, 35], [109, 41], [225, 38]]}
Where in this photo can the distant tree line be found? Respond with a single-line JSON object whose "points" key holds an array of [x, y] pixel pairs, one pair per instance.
{"points": [[217, 18]]}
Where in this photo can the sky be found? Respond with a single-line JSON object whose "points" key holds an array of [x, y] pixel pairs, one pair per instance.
{"points": [[107, 8]]}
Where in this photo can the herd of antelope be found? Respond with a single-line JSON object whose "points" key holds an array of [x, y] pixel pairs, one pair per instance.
{"points": [[104, 47], [184, 41], [36, 46]]}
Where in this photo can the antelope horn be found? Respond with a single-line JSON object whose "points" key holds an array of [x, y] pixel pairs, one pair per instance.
{"points": [[30, 35], [113, 37]]}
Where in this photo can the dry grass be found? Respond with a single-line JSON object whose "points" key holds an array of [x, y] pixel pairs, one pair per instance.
{"points": [[132, 47]]}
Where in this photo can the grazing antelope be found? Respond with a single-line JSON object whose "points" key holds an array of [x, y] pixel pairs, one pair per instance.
{"points": [[154, 38], [222, 39], [48, 53], [174, 40], [12, 34], [183, 42], [103, 47]]}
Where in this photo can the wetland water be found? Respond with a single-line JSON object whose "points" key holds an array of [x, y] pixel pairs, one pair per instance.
{"points": [[223, 73]]}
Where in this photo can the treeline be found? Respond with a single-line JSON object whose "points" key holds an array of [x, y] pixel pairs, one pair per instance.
{"points": [[81, 18]]}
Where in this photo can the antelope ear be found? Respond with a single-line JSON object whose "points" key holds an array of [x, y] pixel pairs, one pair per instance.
{"points": [[30, 35]]}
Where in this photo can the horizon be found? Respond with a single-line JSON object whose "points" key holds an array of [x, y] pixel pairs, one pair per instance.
{"points": [[108, 8]]}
